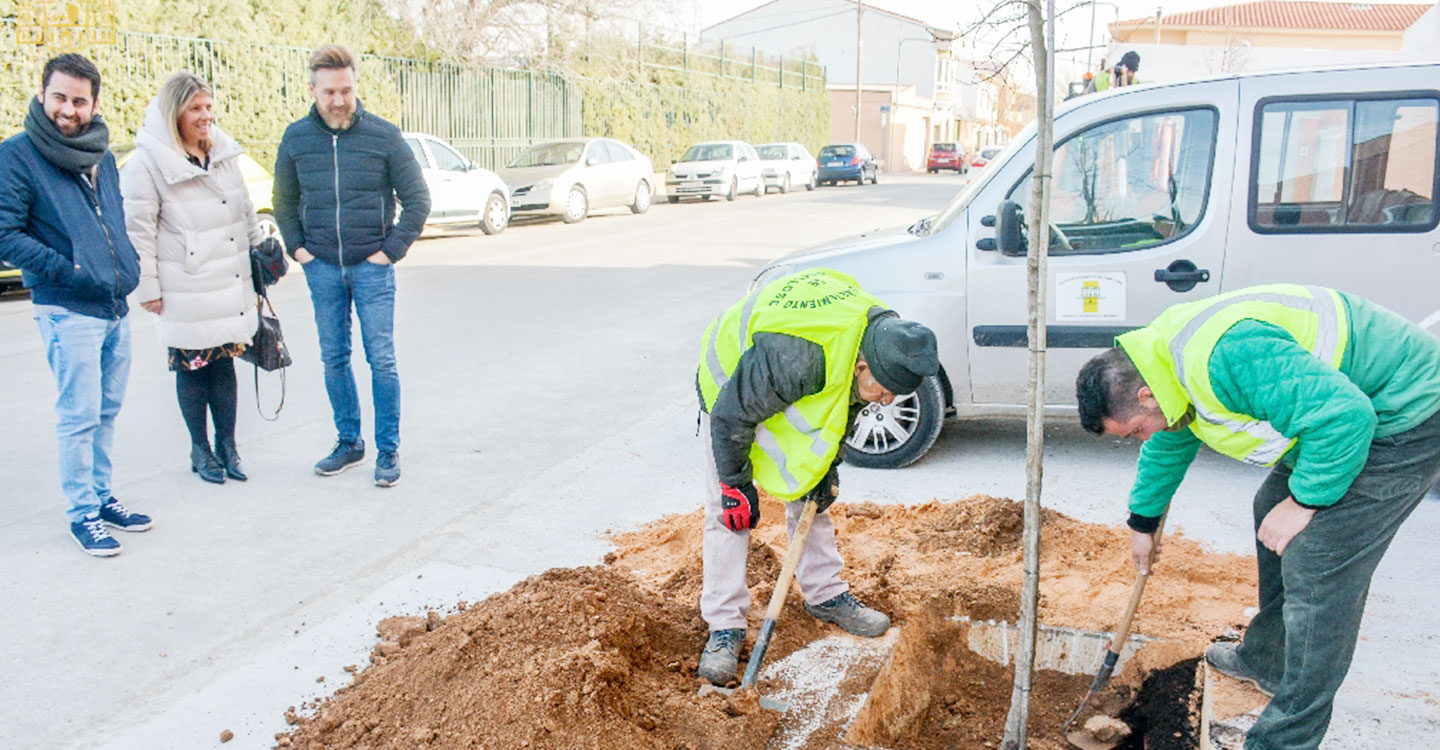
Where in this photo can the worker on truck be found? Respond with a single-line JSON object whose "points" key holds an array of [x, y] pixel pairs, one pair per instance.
{"points": [[781, 374], [1336, 393]]}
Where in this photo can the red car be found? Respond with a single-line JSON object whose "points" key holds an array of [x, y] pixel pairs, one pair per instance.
{"points": [[946, 156], [985, 155]]}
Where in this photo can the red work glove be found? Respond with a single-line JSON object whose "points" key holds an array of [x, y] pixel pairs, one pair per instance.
{"points": [[741, 506]]}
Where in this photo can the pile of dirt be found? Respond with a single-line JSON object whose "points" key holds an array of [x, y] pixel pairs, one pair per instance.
{"points": [[571, 658], [898, 558], [604, 657]]}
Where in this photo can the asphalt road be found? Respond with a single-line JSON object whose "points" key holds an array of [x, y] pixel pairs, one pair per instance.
{"points": [[548, 396]]}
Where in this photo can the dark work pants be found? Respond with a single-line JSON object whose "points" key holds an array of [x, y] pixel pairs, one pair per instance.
{"points": [[1312, 598]]}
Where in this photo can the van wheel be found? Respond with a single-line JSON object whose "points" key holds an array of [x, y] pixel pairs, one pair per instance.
{"points": [[496, 214], [889, 437], [734, 189], [812, 183], [785, 184]]}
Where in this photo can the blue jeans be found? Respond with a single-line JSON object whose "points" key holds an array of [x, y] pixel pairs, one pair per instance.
{"points": [[371, 288], [91, 361]]}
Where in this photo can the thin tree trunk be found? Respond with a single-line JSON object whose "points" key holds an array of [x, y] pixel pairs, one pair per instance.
{"points": [[1016, 723]]}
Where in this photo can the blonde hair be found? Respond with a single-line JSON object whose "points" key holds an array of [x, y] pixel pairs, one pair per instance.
{"points": [[175, 95], [332, 57]]}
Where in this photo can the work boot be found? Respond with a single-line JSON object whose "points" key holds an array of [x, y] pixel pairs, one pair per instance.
{"points": [[847, 612], [230, 459], [721, 656], [204, 463], [1226, 658]]}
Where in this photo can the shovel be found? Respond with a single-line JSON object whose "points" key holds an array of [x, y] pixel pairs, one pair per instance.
{"points": [[1080, 737], [772, 613]]}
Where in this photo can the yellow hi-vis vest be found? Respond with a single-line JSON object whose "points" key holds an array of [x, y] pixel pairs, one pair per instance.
{"points": [[1173, 356], [795, 448]]}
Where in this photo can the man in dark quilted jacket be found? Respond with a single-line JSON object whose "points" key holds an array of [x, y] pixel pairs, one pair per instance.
{"points": [[338, 174], [1338, 395]]}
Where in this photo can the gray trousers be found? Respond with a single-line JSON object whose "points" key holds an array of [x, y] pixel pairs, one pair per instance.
{"points": [[724, 595], [1312, 598]]}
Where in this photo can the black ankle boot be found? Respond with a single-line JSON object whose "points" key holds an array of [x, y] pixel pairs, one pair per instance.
{"points": [[230, 459], [204, 463]]}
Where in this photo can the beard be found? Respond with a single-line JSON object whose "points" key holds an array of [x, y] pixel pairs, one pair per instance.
{"points": [[338, 118], [69, 126]]}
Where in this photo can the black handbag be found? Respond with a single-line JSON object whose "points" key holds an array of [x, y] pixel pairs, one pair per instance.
{"points": [[267, 351]]}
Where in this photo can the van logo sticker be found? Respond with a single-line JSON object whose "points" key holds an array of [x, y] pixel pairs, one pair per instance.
{"points": [[1089, 297]]}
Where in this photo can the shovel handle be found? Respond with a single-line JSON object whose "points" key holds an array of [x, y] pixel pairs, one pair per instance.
{"points": [[1118, 642], [777, 598], [792, 558]]}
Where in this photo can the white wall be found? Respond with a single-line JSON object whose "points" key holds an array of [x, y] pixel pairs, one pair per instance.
{"points": [[827, 28]]}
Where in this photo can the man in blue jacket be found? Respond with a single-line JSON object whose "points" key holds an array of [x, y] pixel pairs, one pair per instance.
{"points": [[61, 223], [337, 175]]}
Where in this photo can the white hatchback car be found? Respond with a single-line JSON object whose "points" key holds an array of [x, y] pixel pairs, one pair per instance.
{"points": [[461, 192], [714, 168], [787, 164], [573, 176]]}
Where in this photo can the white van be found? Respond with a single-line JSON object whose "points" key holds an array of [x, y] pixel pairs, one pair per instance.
{"points": [[1161, 194]]}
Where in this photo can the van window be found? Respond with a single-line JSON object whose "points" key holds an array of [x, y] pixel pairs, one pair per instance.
{"points": [[1346, 165], [1129, 183]]}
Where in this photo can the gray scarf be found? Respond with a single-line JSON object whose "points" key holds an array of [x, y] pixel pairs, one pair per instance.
{"points": [[77, 154]]}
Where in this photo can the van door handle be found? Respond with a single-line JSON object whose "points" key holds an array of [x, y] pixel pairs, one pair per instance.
{"points": [[1181, 275]]}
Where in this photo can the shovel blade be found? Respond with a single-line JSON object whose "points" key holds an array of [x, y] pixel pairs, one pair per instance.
{"points": [[766, 702]]}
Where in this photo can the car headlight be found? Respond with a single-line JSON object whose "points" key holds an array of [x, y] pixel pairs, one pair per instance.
{"points": [[544, 184], [719, 171], [770, 274]]}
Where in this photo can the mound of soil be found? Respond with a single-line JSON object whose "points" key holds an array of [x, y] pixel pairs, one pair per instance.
{"points": [[571, 658], [604, 657]]}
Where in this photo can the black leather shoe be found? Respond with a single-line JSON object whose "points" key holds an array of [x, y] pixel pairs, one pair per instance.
{"points": [[230, 459], [204, 463]]}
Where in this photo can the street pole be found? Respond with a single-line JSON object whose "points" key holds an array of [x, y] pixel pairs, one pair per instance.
{"points": [[859, 32], [1090, 44]]}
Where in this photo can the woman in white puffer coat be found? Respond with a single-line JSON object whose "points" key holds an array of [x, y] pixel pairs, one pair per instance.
{"points": [[189, 216]]}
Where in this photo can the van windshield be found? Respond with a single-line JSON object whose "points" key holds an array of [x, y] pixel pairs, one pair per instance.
{"points": [[772, 152], [956, 206]]}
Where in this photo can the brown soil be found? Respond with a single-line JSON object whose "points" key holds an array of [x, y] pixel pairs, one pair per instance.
{"points": [[604, 657]]}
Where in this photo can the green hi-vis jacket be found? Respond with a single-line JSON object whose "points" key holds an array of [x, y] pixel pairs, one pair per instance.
{"points": [[1300, 373], [795, 447]]}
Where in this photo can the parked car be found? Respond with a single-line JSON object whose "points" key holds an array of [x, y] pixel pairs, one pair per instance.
{"points": [[947, 156], [461, 192], [787, 164], [985, 155], [1161, 194], [706, 170], [846, 161], [572, 177], [259, 185], [9, 277]]}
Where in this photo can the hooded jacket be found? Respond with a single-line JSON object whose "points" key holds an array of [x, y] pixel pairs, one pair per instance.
{"points": [[66, 236], [335, 190], [193, 229]]}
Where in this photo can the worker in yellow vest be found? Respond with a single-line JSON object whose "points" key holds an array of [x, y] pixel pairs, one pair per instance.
{"points": [[781, 376], [1342, 398]]}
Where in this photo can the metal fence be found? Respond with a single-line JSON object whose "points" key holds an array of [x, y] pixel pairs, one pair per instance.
{"points": [[488, 113]]}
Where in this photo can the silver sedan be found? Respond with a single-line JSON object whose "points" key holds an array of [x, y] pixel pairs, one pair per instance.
{"points": [[572, 177]]}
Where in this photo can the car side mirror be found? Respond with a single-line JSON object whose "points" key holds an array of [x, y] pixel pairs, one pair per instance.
{"points": [[1010, 233]]}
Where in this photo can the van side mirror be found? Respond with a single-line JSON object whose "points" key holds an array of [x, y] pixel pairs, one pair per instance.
{"points": [[1010, 235]]}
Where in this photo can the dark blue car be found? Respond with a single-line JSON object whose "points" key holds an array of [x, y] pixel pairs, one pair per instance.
{"points": [[846, 161]]}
